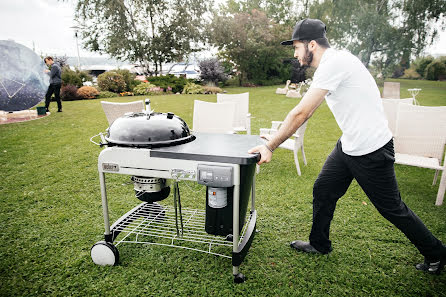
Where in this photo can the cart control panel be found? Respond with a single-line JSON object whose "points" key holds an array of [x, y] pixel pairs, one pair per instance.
{"points": [[183, 174], [215, 176]]}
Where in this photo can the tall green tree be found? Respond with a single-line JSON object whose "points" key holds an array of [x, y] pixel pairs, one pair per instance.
{"points": [[251, 41], [281, 11], [143, 31], [388, 32]]}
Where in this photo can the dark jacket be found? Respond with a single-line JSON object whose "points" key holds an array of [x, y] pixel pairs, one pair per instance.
{"points": [[55, 74]]}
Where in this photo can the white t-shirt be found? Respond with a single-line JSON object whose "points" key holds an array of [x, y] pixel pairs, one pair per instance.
{"points": [[354, 99]]}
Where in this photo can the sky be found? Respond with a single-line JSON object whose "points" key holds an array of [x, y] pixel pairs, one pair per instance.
{"points": [[44, 25]]}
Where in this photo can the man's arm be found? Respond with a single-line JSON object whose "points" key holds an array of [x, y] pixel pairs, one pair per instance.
{"points": [[295, 118]]}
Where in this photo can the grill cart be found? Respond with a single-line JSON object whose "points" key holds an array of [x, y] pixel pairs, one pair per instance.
{"points": [[159, 152]]}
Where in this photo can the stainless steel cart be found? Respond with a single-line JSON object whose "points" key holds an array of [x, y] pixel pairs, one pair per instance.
{"points": [[174, 226]]}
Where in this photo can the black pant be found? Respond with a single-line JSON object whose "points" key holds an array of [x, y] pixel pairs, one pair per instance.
{"points": [[53, 88], [375, 174]]}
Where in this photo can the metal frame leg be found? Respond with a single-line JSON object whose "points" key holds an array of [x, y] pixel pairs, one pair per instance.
{"points": [[240, 250], [107, 233]]}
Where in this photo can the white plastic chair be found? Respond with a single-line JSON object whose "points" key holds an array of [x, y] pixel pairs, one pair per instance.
{"points": [[420, 139], [242, 117], [391, 110], [114, 110], [292, 144], [391, 90], [212, 117], [283, 91], [294, 93]]}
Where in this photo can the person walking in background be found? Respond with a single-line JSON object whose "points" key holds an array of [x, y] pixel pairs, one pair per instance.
{"points": [[55, 83], [364, 152]]}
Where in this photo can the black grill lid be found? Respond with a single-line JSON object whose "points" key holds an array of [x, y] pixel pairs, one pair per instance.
{"points": [[148, 130]]}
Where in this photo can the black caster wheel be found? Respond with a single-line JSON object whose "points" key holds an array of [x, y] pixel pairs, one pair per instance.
{"points": [[104, 253], [239, 278]]}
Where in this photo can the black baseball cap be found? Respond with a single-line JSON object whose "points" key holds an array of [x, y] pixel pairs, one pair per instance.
{"points": [[307, 29]]}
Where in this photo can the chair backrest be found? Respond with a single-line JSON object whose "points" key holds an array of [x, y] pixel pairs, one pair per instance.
{"points": [[114, 110], [391, 110], [241, 102], [212, 117], [391, 90], [396, 100], [421, 130]]}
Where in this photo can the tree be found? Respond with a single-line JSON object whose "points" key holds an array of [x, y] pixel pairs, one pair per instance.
{"points": [[211, 71], [281, 11], [388, 32], [251, 41], [143, 31]]}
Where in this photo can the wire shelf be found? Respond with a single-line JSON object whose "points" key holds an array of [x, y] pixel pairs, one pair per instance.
{"points": [[153, 223]]}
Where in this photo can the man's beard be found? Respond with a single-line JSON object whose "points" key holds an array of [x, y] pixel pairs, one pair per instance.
{"points": [[308, 57]]}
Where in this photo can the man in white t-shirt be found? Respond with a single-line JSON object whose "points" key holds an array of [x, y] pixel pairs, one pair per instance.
{"points": [[364, 152]]}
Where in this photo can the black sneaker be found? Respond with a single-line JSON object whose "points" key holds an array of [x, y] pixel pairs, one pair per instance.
{"points": [[305, 247], [433, 267], [60, 110]]}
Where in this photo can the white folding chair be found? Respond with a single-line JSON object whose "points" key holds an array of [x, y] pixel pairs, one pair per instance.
{"points": [[242, 117], [391, 90], [295, 93], [292, 144], [420, 139], [391, 110], [283, 91], [212, 117], [114, 110]]}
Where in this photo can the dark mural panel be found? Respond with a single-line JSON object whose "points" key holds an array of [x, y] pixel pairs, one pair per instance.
{"points": [[23, 83]]}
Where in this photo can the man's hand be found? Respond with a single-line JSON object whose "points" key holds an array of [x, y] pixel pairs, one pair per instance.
{"points": [[265, 153]]}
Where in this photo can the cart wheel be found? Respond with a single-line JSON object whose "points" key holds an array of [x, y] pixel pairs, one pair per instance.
{"points": [[104, 253], [239, 278]]}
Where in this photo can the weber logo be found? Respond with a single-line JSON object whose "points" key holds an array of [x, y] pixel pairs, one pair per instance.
{"points": [[110, 167]]}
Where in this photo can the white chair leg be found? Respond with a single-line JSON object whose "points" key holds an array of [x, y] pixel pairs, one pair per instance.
{"points": [[441, 189], [257, 168], [297, 163], [435, 177], [303, 154]]}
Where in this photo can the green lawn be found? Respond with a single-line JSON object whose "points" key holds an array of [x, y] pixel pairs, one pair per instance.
{"points": [[51, 213]]}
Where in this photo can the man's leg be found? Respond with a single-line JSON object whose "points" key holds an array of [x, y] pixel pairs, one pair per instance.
{"points": [[376, 175], [331, 184], [57, 95], [48, 95]]}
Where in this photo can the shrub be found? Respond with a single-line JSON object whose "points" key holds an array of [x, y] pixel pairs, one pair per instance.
{"points": [[212, 71], [129, 79], [147, 89], [74, 77], [165, 81], [192, 88], [107, 94], [411, 73], [87, 92], [69, 93], [211, 90], [126, 94], [111, 81], [435, 70], [421, 64]]}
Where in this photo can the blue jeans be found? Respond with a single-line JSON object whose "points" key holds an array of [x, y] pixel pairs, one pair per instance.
{"points": [[375, 174]]}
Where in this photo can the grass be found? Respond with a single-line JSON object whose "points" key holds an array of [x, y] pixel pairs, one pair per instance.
{"points": [[51, 213]]}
